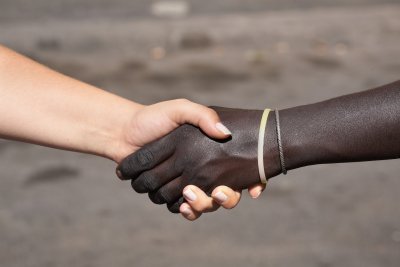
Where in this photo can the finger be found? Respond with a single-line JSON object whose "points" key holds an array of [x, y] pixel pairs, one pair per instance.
{"points": [[168, 193], [144, 159], [153, 179], [256, 190], [206, 118], [174, 207], [198, 200], [188, 213], [226, 197]]}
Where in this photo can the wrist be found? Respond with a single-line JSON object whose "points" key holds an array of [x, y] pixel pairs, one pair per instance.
{"points": [[271, 151], [298, 144], [111, 134]]}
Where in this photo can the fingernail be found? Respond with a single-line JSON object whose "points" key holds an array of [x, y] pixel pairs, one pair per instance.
{"points": [[258, 194], [190, 195], [119, 174], [186, 211], [221, 197], [222, 128]]}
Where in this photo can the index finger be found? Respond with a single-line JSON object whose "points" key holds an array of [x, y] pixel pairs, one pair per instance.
{"points": [[144, 159]]}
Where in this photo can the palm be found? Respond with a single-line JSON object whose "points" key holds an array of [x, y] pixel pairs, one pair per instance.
{"points": [[149, 126]]}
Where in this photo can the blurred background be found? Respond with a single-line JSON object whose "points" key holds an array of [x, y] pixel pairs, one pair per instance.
{"points": [[66, 209]]}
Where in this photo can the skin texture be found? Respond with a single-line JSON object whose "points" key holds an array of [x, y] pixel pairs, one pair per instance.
{"points": [[358, 127], [41, 106], [188, 157]]}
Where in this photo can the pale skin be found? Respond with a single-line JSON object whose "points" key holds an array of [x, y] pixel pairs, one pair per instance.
{"points": [[41, 106]]}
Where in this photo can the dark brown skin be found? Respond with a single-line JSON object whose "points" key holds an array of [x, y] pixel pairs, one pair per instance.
{"points": [[358, 127]]}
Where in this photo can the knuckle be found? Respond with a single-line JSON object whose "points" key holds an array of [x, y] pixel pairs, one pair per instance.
{"points": [[149, 181], [214, 110], [183, 101], [144, 157], [164, 195], [146, 182], [201, 206], [177, 166]]}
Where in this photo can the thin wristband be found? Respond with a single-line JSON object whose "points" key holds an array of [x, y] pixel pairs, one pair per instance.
{"points": [[278, 133], [260, 152]]}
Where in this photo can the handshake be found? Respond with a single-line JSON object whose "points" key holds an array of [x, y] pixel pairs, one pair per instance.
{"points": [[188, 156], [182, 152], [195, 170]]}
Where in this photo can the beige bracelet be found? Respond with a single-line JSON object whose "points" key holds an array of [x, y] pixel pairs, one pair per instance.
{"points": [[260, 152]]}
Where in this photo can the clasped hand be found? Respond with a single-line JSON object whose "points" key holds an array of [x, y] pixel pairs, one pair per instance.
{"points": [[186, 165]]}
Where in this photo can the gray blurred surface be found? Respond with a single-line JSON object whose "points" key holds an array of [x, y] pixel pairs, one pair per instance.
{"points": [[16, 10], [66, 209]]}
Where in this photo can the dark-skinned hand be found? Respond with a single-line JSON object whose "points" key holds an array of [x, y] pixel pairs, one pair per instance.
{"points": [[357, 127], [187, 156]]}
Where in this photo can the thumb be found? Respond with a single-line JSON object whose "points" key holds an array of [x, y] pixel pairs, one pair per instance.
{"points": [[226, 197], [256, 190], [201, 116]]}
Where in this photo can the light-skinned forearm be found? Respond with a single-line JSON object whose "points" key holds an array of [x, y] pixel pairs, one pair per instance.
{"points": [[41, 106]]}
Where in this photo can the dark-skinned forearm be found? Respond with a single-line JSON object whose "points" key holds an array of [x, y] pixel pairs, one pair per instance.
{"points": [[358, 127]]}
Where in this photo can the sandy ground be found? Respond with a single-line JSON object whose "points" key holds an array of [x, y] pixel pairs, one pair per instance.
{"points": [[66, 209]]}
